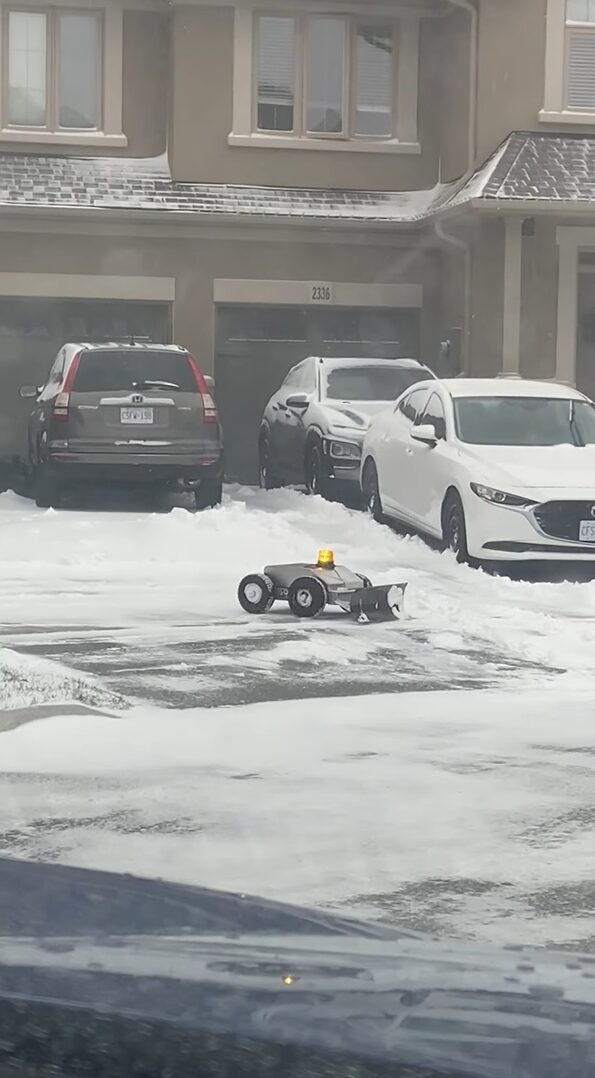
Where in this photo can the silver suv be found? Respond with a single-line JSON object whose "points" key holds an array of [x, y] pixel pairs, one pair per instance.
{"points": [[124, 413]]}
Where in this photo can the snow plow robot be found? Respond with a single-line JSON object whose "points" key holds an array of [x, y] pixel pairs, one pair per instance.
{"points": [[307, 589]]}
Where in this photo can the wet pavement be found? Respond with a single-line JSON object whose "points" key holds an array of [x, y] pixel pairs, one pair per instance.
{"points": [[212, 664]]}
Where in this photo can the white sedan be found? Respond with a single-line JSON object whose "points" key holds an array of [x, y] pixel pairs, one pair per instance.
{"points": [[498, 469]]}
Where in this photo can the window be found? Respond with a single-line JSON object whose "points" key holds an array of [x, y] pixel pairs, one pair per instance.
{"points": [[580, 10], [276, 74], [117, 371], [580, 55], [434, 415], [369, 383], [536, 421], [413, 404], [570, 62], [53, 65], [326, 76]]}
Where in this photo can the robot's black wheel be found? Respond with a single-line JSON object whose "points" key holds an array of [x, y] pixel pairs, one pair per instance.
{"points": [[307, 597], [255, 593]]}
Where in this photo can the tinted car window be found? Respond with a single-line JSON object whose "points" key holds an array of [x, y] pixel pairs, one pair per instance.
{"points": [[413, 403], [110, 371], [368, 383], [434, 414], [293, 379]]}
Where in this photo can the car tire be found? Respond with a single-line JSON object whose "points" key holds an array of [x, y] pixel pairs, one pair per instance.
{"points": [[316, 481], [307, 597], [371, 492], [255, 593], [46, 489], [267, 477], [454, 527], [208, 494]]}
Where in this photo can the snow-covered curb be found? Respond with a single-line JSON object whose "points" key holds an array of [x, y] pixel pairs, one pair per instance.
{"points": [[26, 681]]}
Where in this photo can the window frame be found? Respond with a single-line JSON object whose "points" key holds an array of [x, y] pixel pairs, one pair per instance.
{"points": [[53, 16], [555, 106], [351, 22], [405, 83], [109, 131]]}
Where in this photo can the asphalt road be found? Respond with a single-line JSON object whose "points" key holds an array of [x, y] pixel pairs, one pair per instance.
{"points": [[218, 663]]}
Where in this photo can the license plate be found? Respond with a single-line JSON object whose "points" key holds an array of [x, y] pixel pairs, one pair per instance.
{"points": [[586, 531], [136, 415]]}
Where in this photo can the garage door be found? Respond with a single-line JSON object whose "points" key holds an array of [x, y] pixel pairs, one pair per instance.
{"points": [[32, 331], [257, 346]]}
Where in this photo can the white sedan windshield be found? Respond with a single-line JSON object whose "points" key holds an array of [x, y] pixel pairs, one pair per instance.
{"points": [[537, 421]]}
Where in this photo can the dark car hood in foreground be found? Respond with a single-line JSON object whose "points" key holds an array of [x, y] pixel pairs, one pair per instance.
{"points": [[146, 976]]}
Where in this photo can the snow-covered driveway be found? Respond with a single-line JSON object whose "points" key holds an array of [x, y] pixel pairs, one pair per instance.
{"points": [[467, 811]]}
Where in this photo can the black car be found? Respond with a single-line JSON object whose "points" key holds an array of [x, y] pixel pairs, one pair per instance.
{"points": [[313, 427]]}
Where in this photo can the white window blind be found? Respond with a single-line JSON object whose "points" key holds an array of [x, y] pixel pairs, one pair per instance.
{"points": [[276, 73], [580, 83]]}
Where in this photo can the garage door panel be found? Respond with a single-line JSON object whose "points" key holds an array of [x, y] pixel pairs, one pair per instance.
{"points": [[257, 346], [245, 383]]}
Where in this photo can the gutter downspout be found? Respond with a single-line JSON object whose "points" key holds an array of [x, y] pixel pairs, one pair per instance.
{"points": [[443, 235]]}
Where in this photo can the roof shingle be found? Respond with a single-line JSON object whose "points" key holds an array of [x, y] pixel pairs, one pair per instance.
{"points": [[527, 166]]}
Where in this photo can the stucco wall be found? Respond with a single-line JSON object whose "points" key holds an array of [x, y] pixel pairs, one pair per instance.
{"points": [[202, 60]]}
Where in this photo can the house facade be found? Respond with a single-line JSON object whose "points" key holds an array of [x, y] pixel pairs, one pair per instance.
{"points": [[263, 181]]}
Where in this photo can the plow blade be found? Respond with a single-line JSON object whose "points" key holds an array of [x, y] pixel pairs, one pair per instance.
{"points": [[381, 603]]}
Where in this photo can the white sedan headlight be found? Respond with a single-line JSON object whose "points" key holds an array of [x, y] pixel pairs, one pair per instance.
{"points": [[346, 450], [500, 497]]}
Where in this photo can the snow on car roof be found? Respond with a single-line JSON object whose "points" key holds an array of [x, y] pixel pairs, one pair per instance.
{"points": [[358, 361], [508, 387]]}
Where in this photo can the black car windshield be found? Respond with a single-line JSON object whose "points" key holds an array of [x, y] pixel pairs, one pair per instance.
{"points": [[368, 383], [107, 371], [537, 421]]}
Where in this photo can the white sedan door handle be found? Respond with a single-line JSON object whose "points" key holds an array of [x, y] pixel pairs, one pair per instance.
{"points": [[409, 452]]}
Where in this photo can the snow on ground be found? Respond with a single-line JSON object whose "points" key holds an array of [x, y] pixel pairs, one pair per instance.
{"points": [[463, 811], [103, 569], [467, 813]]}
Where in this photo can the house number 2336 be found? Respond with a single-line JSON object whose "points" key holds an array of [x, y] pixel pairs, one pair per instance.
{"points": [[321, 293]]}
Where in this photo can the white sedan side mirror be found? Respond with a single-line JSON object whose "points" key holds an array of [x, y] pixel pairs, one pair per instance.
{"points": [[424, 433]]}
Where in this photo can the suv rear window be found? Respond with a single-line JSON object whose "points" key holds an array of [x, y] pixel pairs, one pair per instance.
{"points": [[112, 370], [368, 383]]}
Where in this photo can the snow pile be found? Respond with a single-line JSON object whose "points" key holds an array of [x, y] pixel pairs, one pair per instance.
{"points": [[25, 682]]}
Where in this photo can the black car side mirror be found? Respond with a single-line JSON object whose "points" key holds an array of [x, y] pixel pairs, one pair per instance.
{"points": [[298, 401], [29, 392]]}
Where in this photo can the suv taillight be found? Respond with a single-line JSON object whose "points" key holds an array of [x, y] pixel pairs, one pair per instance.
{"points": [[208, 404], [62, 400]]}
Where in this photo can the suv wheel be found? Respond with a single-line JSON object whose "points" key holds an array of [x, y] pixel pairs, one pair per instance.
{"points": [[267, 477], [208, 494], [316, 481]]}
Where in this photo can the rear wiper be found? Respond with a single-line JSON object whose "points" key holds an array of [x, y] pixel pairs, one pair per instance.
{"points": [[150, 383]]}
